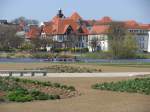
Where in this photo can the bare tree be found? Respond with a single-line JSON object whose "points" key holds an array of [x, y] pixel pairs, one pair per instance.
{"points": [[94, 43], [116, 36], [8, 38]]}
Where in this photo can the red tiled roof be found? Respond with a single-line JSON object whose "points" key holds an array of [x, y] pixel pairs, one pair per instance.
{"points": [[90, 22], [60, 25], [105, 19], [33, 32], [134, 25], [99, 29], [75, 16], [85, 30], [131, 23], [47, 29], [145, 26]]}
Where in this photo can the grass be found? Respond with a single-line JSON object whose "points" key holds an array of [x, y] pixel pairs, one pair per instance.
{"points": [[35, 55], [96, 55], [138, 85], [108, 55]]}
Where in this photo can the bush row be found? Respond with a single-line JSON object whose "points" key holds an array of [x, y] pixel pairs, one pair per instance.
{"points": [[60, 68], [48, 83], [34, 55], [70, 49], [138, 85], [23, 95]]}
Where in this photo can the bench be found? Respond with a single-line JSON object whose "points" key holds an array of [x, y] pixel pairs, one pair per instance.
{"points": [[22, 72]]}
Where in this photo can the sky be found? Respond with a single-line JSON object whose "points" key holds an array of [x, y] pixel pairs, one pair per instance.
{"points": [[45, 10]]}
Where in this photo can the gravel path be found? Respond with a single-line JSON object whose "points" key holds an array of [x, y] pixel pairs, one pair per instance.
{"points": [[118, 74], [109, 74], [90, 100]]}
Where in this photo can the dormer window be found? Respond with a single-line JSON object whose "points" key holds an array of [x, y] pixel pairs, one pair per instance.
{"points": [[80, 30], [69, 30]]}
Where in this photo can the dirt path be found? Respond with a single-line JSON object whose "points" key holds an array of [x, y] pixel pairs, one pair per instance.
{"points": [[21, 66], [90, 100]]}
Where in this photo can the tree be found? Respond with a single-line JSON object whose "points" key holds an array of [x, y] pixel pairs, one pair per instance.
{"points": [[25, 20], [26, 46], [129, 46], [116, 36], [94, 43], [8, 38], [122, 44], [37, 43]]}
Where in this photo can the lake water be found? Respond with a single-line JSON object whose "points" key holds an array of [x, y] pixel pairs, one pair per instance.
{"points": [[27, 60], [117, 60]]}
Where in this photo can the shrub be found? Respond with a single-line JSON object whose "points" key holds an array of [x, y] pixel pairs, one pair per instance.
{"points": [[24, 98], [20, 95], [42, 96], [63, 87], [57, 85], [47, 83], [71, 88], [16, 91], [52, 97], [138, 85], [37, 95], [42, 55], [2, 99], [65, 56]]}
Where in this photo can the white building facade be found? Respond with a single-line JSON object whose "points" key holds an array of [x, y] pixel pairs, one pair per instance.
{"points": [[148, 50], [101, 41], [99, 33], [142, 39]]}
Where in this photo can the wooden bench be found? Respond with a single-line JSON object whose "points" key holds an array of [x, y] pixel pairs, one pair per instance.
{"points": [[22, 72]]}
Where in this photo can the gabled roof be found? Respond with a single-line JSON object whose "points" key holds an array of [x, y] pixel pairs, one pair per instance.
{"points": [[60, 25], [99, 29], [47, 29], [75, 16], [85, 30], [105, 19], [33, 32], [131, 24], [66, 28]]}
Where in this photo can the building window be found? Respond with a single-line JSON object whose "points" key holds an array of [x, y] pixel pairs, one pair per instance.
{"points": [[142, 38], [60, 38], [82, 44], [142, 46]]}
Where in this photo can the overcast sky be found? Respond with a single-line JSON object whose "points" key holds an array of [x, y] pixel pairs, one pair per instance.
{"points": [[44, 10]]}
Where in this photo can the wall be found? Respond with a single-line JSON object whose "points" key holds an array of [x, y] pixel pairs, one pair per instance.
{"points": [[148, 42]]}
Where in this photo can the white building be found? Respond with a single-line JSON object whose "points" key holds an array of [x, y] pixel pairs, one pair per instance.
{"points": [[98, 36], [73, 31], [140, 31], [148, 50]]}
